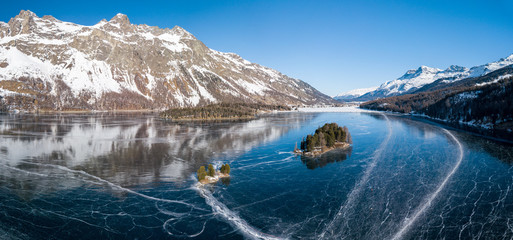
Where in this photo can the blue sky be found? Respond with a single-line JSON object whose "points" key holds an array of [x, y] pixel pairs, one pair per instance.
{"points": [[333, 45]]}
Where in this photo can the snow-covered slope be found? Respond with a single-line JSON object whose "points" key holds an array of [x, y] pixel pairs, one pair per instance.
{"points": [[490, 67], [417, 78], [349, 95], [49, 64]]}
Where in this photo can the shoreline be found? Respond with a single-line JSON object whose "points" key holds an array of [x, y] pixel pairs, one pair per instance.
{"points": [[314, 153], [306, 109], [345, 109], [256, 116], [209, 180], [490, 134], [79, 111], [210, 119], [476, 130]]}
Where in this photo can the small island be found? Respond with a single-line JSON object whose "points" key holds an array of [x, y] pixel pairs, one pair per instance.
{"points": [[326, 138], [211, 175], [221, 111]]}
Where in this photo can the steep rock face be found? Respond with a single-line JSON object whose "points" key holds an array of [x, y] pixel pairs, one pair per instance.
{"points": [[47, 64], [415, 79]]}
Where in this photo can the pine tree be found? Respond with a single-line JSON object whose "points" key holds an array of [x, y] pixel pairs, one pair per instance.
{"points": [[201, 173], [309, 143], [211, 172], [330, 140]]}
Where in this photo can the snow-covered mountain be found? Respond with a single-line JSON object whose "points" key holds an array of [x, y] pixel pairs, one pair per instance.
{"points": [[474, 103], [349, 95], [48, 64], [417, 78]]}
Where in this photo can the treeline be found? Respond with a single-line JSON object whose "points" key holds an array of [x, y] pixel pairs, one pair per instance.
{"points": [[491, 104], [406, 103], [220, 111], [326, 136]]}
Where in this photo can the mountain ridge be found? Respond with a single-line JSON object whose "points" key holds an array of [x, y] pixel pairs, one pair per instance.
{"points": [[482, 104], [414, 79], [48, 64]]}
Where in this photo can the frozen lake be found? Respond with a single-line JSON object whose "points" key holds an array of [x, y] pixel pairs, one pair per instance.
{"points": [[132, 176]]}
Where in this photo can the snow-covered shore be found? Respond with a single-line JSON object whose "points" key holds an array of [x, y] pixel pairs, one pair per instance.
{"points": [[333, 109]]}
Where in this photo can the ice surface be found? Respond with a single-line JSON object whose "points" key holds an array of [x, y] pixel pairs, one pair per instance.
{"points": [[113, 176]]}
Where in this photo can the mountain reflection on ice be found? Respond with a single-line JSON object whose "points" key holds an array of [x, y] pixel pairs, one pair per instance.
{"points": [[131, 176], [128, 149]]}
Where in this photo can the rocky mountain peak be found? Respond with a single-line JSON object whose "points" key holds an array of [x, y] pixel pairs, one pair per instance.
{"points": [[25, 14], [456, 68], [184, 34], [509, 58], [49, 18], [119, 24], [411, 71], [426, 69], [23, 23], [408, 74], [120, 18]]}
